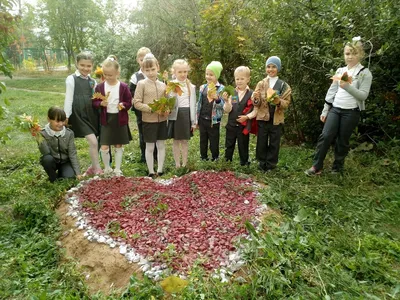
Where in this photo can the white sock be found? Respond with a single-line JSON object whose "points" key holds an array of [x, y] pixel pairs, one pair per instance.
{"points": [[176, 152], [118, 158], [150, 157], [93, 150], [105, 157], [160, 156]]}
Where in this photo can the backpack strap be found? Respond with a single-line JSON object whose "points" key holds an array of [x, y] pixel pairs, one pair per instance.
{"points": [[362, 69], [280, 83]]}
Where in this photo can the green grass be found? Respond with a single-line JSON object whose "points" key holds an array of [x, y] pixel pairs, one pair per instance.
{"points": [[333, 236], [51, 84]]}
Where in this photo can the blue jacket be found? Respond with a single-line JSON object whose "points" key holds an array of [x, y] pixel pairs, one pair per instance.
{"points": [[218, 105]]}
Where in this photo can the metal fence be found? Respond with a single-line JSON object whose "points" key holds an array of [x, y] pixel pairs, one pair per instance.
{"points": [[36, 58]]}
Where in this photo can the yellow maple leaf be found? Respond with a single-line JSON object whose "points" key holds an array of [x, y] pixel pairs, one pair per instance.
{"points": [[173, 284], [98, 95]]}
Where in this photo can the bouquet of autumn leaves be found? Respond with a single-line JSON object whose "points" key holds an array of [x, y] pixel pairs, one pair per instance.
{"points": [[344, 77], [31, 124], [166, 104]]}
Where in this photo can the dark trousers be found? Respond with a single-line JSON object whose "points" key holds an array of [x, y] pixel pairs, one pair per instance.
{"points": [[142, 144], [56, 170], [233, 134], [339, 124], [268, 143], [210, 133]]}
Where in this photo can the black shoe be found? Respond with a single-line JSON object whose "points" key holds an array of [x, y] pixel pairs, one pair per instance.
{"points": [[214, 158], [159, 174], [151, 175], [245, 163], [228, 159], [262, 167], [204, 158], [337, 171]]}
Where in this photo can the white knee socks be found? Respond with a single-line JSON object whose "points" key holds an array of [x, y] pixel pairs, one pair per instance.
{"points": [[160, 156], [149, 157], [118, 158]]}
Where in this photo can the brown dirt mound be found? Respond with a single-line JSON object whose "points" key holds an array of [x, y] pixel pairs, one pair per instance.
{"points": [[104, 268]]}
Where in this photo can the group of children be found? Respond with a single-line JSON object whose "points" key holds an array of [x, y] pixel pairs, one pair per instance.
{"points": [[93, 110]]}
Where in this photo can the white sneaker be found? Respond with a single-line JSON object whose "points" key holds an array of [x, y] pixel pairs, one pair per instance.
{"points": [[118, 173]]}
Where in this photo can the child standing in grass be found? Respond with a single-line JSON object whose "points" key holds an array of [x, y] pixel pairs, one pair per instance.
{"points": [[343, 103], [239, 106], [271, 98], [209, 111], [182, 119], [154, 123], [115, 100], [57, 146], [81, 116], [136, 77]]}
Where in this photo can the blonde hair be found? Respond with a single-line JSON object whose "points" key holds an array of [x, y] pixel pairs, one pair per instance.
{"points": [[179, 62], [111, 61], [243, 69], [356, 48], [142, 52], [149, 61]]}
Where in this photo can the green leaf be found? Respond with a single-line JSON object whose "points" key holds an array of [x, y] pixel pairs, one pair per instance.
{"points": [[163, 104], [251, 229], [230, 90], [302, 214], [2, 87], [364, 147]]}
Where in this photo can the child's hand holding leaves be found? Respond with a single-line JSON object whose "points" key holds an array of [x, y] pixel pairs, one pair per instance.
{"points": [[226, 97], [211, 92], [121, 106], [272, 96]]}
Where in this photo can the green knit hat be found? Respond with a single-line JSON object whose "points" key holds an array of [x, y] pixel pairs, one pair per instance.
{"points": [[216, 67]]}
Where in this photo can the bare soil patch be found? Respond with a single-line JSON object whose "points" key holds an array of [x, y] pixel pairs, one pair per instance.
{"points": [[104, 268]]}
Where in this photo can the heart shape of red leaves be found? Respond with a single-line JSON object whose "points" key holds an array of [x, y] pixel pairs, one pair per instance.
{"points": [[197, 216]]}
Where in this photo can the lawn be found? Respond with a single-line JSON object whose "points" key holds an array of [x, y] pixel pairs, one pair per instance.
{"points": [[331, 236]]}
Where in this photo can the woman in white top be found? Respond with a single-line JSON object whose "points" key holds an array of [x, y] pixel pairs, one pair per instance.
{"points": [[343, 103]]}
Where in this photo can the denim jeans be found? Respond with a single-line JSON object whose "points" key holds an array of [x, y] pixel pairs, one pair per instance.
{"points": [[339, 124]]}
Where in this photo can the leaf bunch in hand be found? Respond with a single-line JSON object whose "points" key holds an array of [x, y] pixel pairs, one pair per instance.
{"points": [[271, 95], [211, 91], [344, 77], [230, 90], [162, 105], [174, 87]]}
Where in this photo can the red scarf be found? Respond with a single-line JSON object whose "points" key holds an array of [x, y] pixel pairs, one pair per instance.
{"points": [[250, 126]]}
